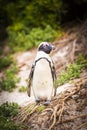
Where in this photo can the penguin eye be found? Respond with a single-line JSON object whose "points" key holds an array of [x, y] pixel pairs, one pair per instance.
{"points": [[46, 45]]}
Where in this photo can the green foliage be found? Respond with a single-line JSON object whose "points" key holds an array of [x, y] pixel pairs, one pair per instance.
{"points": [[41, 108], [36, 13], [82, 61], [22, 89], [13, 69], [21, 40], [40, 13], [38, 35], [5, 61], [73, 71], [7, 124], [7, 111], [8, 83], [34, 17], [31, 13]]}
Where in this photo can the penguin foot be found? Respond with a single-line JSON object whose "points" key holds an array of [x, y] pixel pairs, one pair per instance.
{"points": [[37, 100], [47, 103]]}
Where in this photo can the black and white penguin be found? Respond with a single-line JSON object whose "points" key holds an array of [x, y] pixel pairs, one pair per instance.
{"points": [[42, 74]]}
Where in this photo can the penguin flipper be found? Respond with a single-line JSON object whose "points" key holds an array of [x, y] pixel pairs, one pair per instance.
{"points": [[30, 80], [53, 70]]}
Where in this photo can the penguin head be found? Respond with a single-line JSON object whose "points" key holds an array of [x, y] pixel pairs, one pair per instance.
{"points": [[46, 47]]}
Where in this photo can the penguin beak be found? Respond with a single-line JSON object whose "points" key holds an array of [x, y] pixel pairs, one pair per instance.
{"points": [[53, 47]]}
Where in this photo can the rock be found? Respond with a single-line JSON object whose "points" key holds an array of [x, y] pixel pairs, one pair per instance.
{"points": [[75, 96]]}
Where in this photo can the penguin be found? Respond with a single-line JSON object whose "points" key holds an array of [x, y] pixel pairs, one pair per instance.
{"points": [[42, 74]]}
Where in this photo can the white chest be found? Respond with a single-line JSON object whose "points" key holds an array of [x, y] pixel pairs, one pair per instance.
{"points": [[42, 79]]}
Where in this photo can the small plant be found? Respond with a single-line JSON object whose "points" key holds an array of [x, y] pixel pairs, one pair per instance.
{"points": [[8, 83], [23, 89], [41, 108], [7, 124], [5, 61], [73, 71], [7, 111], [82, 61]]}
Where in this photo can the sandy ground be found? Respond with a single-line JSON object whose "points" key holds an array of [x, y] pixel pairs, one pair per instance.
{"points": [[24, 61]]}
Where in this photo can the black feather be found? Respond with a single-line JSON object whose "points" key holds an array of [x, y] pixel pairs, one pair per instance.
{"points": [[30, 80]]}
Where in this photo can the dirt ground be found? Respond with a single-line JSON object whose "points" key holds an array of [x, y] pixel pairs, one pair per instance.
{"points": [[68, 110]]}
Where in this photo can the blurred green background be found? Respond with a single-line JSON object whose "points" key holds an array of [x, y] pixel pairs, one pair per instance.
{"points": [[24, 24]]}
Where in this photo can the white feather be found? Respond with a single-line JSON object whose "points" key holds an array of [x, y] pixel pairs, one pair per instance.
{"points": [[42, 83]]}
